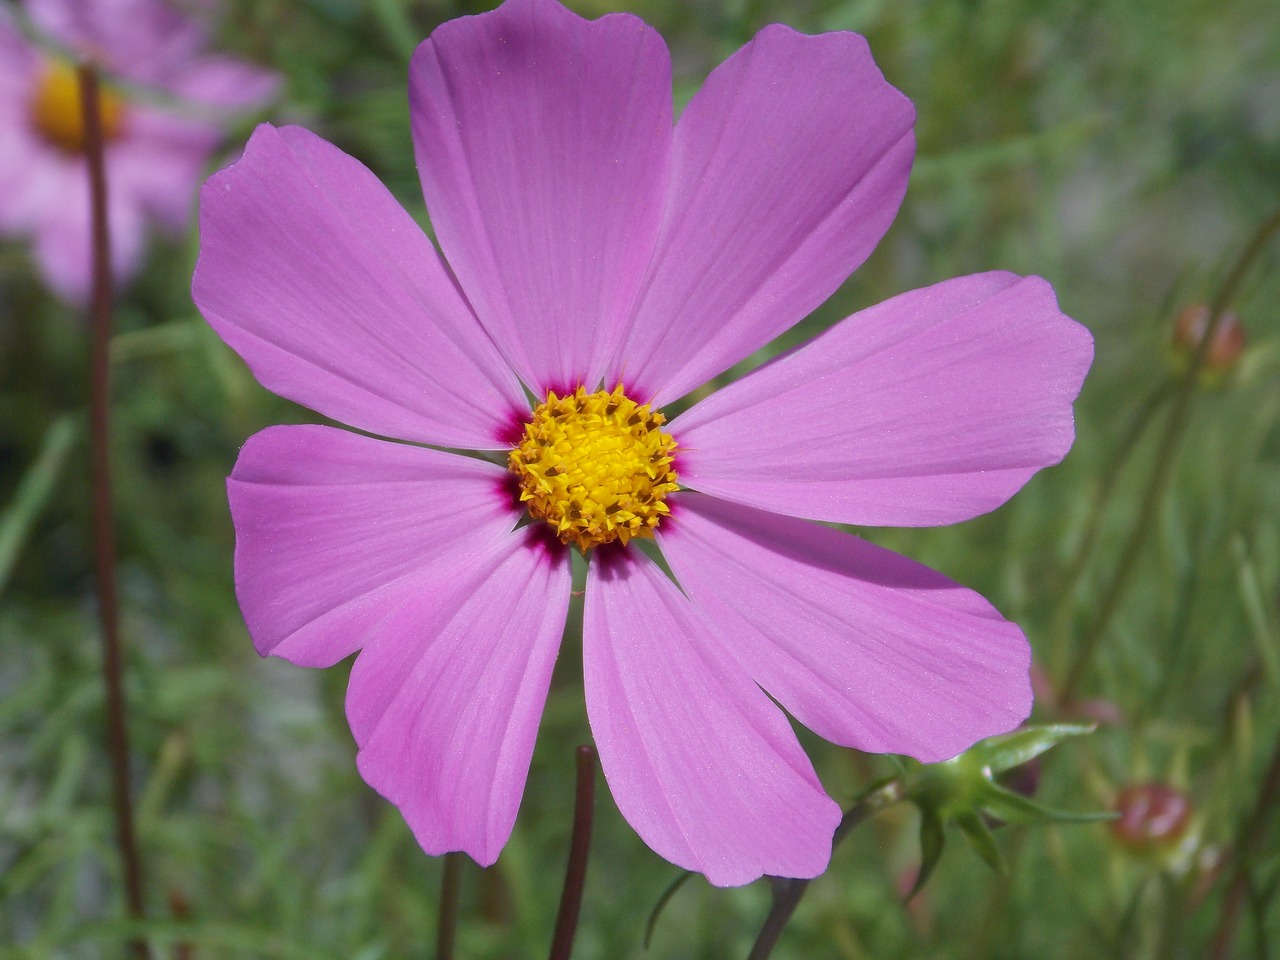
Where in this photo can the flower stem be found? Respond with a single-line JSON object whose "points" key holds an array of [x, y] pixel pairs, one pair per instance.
{"points": [[1166, 458], [579, 846], [787, 891], [104, 548], [447, 923], [1107, 486], [1250, 841]]}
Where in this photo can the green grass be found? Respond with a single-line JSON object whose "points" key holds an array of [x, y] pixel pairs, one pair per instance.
{"points": [[1124, 150]]}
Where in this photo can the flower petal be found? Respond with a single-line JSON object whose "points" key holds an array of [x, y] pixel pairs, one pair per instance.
{"points": [[701, 764], [930, 408], [161, 163], [19, 64], [60, 210], [788, 167], [863, 646], [445, 700], [225, 83], [334, 529], [337, 300], [144, 40], [543, 141]]}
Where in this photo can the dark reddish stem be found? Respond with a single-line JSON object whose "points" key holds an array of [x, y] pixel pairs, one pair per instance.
{"points": [[575, 876], [787, 891], [104, 547], [450, 890]]}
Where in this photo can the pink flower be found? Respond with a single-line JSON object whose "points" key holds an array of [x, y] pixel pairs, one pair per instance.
{"points": [[154, 153], [588, 243]]}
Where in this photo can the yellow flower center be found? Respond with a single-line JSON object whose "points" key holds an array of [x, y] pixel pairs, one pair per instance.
{"points": [[596, 466], [56, 113]]}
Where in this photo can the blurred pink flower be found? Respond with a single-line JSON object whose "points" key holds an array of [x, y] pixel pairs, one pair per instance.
{"points": [[156, 150], [590, 242]]}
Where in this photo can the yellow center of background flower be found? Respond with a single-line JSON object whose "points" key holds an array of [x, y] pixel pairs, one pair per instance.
{"points": [[56, 113], [596, 466]]}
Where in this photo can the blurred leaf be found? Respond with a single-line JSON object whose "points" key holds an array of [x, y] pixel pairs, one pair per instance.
{"points": [[172, 337], [33, 493], [1261, 626]]}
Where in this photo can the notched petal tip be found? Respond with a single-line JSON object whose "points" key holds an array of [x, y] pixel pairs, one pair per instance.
{"points": [[336, 299]]}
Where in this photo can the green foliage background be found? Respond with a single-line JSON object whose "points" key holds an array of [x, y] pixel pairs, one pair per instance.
{"points": [[1124, 149]]}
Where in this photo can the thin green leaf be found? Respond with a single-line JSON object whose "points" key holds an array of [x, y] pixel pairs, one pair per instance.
{"points": [[1265, 636], [658, 907], [37, 486]]}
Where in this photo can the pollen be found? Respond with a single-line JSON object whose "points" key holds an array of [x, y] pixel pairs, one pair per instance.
{"points": [[56, 113], [596, 466]]}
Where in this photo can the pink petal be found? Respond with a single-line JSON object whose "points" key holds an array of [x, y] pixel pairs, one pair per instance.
{"points": [[162, 161], [445, 699], [789, 166], [333, 530], [863, 646], [63, 233], [337, 300], [225, 83], [543, 143], [32, 177], [19, 59], [143, 40], [700, 762], [933, 407]]}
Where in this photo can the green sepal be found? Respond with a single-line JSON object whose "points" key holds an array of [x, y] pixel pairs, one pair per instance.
{"points": [[932, 839], [979, 834], [1011, 750], [1015, 808]]}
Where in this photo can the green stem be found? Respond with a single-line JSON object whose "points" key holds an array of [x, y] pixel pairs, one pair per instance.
{"points": [[1143, 417], [1166, 459], [1251, 840]]}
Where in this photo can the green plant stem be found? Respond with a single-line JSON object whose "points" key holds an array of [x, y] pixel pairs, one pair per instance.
{"points": [[103, 525], [788, 891], [579, 846], [1143, 417], [1166, 459], [1250, 841], [450, 890]]}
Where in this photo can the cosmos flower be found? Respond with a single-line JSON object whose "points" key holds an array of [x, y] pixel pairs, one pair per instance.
{"points": [[155, 150], [597, 263]]}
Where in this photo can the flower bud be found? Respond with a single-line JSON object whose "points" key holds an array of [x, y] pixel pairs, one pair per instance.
{"points": [[1225, 347], [1152, 817]]}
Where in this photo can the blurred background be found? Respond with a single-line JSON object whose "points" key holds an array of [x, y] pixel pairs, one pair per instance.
{"points": [[1126, 150]]}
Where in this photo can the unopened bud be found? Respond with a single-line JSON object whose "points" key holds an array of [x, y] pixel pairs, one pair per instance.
{"points": [[1153, 817], [1225, 346]]}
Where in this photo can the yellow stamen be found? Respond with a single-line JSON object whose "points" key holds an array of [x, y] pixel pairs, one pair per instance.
{"points": [[596, 466], [55, 109]]}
